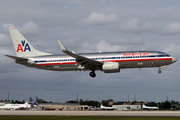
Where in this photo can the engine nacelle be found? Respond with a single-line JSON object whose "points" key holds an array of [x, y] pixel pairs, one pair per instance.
{"points": [[111, 67], [31, 62]]}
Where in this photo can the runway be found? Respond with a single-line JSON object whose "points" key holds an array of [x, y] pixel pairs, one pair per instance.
{"points": [[91, 113]]}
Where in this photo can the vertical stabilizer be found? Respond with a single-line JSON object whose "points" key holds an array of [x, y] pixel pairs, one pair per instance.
{"points": [[22, 47]]}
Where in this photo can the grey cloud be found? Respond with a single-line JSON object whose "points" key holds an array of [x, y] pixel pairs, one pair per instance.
{"points": [[105, 46], [6, 26], [102, 46], [4, 39], [30, 28], [171, 48], [100, 18], [172, 28], [136, 25]]}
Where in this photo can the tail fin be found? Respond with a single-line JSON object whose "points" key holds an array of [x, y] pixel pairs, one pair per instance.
{"points": [[26, 103], [34, 101], [22, 47], [101, 106]]}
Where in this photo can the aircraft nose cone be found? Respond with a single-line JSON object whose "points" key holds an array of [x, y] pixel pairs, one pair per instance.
{"points": [[174, 59]]}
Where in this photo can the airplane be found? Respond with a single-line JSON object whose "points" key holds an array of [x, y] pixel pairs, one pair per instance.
{"points": [[108, 62], [149, 108], [103, 108], [108, 108], [34, 102], [15, 106]]}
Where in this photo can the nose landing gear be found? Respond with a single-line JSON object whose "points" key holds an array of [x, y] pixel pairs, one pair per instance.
{"points": [[159, 71], [161, 68]]}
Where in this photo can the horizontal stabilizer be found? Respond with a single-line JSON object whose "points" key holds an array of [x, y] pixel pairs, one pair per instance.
{"points": [[17, 58]]}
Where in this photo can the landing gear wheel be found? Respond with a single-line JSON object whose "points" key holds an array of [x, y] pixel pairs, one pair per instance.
{"points": [[159, 71], [92, 74]]}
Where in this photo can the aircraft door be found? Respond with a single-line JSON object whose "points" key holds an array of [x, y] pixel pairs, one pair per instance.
{"points": [[156, 60]]}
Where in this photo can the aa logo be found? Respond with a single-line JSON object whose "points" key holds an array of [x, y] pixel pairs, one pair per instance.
{"points": [[23, 45]]}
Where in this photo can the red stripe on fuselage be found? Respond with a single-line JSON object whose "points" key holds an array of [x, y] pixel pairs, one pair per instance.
{"points": [[119, 60], [133, 60]]}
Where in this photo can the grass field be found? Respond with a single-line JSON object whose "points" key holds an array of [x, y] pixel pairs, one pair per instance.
{"points": [[84, 118]]}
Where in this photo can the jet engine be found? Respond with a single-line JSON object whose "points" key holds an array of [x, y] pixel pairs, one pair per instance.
{"points": [[111, 67], [30, 61]]}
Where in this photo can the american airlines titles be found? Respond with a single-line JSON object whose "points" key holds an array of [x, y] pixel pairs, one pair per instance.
{"points": [[136, 54]]}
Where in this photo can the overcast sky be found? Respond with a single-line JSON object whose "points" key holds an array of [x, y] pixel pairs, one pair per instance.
{"points": [[91, 26]]}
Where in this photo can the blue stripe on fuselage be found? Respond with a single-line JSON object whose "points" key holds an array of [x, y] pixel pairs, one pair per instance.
{"points": [[99, 58]]}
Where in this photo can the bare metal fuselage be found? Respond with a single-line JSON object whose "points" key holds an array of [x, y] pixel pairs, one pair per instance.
{"points": [[127, 59]]}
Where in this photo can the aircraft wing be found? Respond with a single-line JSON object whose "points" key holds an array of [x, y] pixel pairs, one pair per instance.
{"points": [[84, 61]]}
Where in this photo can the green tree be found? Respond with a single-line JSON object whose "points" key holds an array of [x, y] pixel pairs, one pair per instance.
{"points": [[91, 103], [81, 102], [105, 102], [41, 101], [19, 102], [71, 101], [166, 105]]}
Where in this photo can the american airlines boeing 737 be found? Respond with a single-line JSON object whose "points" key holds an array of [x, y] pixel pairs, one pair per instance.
{"points": [[108, 62]]}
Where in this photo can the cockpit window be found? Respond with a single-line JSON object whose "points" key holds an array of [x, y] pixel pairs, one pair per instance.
{"points": [[167, 55]]}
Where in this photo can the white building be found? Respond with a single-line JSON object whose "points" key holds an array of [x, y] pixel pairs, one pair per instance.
{"points": [[68, 106]]}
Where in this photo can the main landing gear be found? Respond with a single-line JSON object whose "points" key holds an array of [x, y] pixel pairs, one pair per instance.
{"points": [[92, 74]]}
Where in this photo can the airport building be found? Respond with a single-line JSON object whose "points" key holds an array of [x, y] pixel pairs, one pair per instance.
{"points": [[71, 106], [3, 103]]}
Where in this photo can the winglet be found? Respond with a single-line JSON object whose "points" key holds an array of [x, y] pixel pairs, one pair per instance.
{"points": [[63, 48]]}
